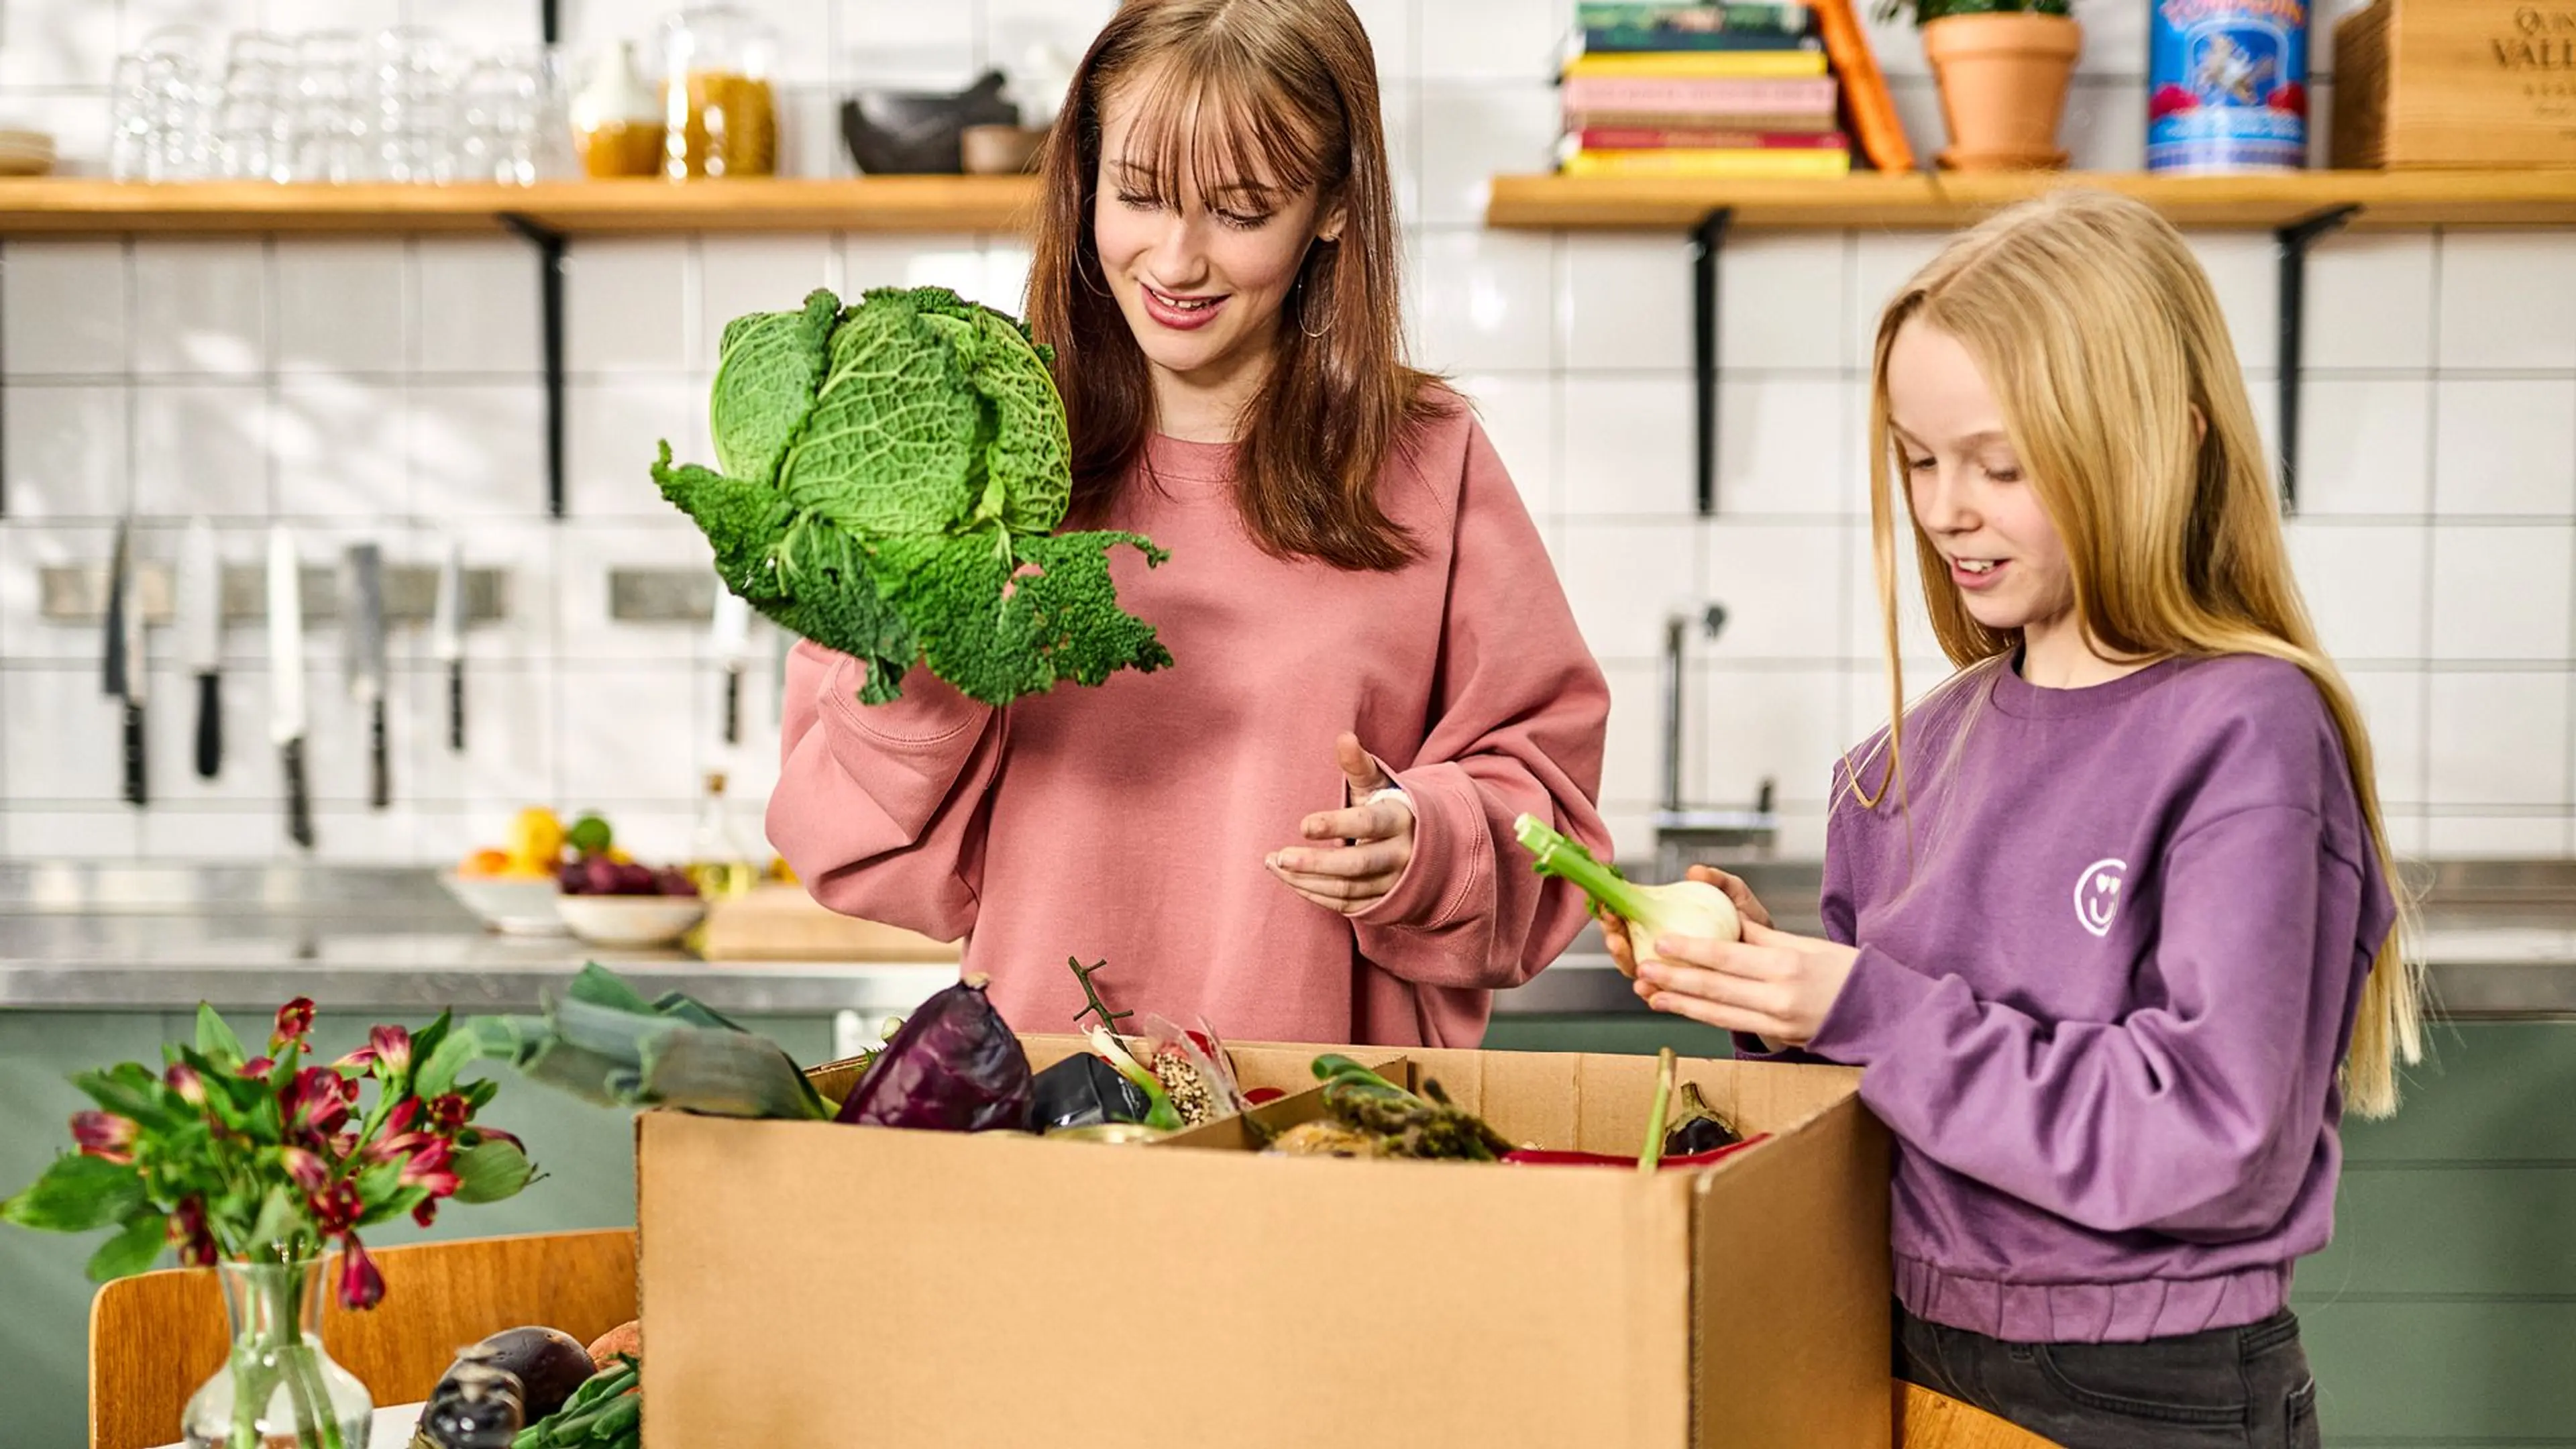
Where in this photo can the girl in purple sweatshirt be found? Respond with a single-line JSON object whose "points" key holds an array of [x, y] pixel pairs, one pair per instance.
{"points": [[2112, 936]]}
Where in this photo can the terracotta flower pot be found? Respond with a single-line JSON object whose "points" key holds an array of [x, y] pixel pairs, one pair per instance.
{"points": [[2003, 87]]}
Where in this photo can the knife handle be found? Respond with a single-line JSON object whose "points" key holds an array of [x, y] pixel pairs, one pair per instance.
{"points": [[456, 705], [134, 791], [733, 707], [299, 804], [380, 785], [210, 726]]}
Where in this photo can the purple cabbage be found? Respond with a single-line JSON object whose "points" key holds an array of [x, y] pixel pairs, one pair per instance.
{"points": [[955, 1066]]}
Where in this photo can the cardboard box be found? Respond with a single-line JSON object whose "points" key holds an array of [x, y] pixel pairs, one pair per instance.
{"points": [[2451, 83], [810, 1284]]}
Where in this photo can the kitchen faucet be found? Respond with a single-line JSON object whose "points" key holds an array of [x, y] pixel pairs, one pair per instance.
{"points": [[1684, 836]]}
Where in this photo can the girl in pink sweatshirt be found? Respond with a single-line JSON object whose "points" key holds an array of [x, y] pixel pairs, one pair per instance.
{"points": [[1301, 831]]}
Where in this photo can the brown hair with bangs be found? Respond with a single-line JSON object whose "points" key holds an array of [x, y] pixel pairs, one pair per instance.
{"points": [[1244, 92]]}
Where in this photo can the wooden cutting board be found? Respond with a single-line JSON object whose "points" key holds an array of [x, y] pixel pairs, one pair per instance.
{"points": [[783, 923]]}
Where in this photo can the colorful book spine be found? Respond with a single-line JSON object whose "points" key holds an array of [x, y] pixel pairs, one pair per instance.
{"points": [[1627, 138], [1701, 65], [1700, 97], [1811, 164], [1628, 40], [1812, 123], [1781, 17]]}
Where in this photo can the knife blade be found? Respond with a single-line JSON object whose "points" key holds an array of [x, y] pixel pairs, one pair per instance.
{"points": [[286, 679], [362, 583], [731, 636], [120, 562], [200, 606], [447, 641], [137, 673]]}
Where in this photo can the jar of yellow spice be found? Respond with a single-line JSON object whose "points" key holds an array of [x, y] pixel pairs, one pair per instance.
{"points": [[719, 110], [617, 117]]}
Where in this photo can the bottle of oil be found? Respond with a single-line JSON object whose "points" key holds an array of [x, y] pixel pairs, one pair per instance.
{"points": [[719, 860]]}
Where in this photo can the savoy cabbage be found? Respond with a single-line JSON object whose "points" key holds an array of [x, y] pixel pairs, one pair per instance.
{"points": [[888, 481]]}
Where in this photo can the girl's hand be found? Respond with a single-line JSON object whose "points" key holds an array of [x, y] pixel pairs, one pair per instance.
{"points": [[1376, 836], [1614, 931], [1771, 984]]}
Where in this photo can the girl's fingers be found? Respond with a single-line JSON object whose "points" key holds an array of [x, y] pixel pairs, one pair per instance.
{"points": [[1710, 1013], [1351, 862], [1337, 888], [1382, 821], [1747, 904]]}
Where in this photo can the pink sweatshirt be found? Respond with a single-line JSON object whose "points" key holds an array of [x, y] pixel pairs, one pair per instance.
{"points": [[1129, 822]]}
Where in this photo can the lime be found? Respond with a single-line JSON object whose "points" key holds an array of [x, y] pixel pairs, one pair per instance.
{"points": [[589, 835]]}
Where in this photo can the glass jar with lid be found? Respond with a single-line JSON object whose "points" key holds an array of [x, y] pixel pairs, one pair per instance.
{"points": [[719, 106]]}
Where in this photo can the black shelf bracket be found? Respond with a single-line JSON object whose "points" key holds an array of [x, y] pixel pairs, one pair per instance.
{"points": [[1708, 241], [550, 286], [2294, 241]]}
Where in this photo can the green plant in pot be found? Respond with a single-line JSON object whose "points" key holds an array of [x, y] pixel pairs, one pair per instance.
{"points": [[2003, 68]]}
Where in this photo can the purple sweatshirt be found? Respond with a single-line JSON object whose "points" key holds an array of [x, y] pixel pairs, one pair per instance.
{"points": [[2103, 1006]]}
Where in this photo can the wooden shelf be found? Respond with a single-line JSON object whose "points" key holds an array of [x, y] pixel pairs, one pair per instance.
{"points": [[69, 206], [1918, 201]]}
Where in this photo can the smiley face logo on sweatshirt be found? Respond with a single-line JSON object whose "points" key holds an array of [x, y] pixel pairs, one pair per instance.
{"points": [[2097, 895]]}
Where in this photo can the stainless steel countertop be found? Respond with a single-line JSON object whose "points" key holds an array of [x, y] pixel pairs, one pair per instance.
{"points": [[2501, 938]]}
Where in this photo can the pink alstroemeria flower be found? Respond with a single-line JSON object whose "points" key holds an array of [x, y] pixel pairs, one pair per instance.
{"points": [[361, 1285], [294, 1024], [105, 1136]]}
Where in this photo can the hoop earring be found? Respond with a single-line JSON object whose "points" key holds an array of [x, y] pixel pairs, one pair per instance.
{"points": [[1311, 334]]}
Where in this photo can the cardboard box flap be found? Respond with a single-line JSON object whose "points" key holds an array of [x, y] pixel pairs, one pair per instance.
{"points": [[1791, 1272], [1144, 1290]]}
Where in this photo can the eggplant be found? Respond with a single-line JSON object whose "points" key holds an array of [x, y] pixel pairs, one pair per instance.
{"points": [[1696, 1127], [545, 1364], [954, 1067]]}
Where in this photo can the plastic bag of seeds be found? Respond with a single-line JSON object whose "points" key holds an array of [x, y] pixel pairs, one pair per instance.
{"points": [[1193, 1068]]}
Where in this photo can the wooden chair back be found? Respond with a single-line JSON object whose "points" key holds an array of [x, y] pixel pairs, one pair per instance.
{"points": [[154, 1338], [1926, 1420]]}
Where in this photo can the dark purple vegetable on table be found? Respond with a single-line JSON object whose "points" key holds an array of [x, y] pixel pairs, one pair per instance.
{"points": [[954, 1067], [547, 1365]]}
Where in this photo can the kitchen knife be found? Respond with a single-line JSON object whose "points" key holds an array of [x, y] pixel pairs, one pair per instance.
{"points": [[732, 639], [362, 583], [286, 679], [200, 606], [447, 642], [121, 661], [137, 677]]}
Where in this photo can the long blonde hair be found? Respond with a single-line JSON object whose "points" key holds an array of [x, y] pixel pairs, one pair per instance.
{"points": [[2102, 339]]}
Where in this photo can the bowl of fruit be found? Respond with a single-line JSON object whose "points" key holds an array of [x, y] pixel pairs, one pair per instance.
{"points": [[611, 902], [512, 890]]}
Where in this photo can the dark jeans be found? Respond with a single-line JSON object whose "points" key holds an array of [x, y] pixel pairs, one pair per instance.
{"points": [[2227, 1388]]}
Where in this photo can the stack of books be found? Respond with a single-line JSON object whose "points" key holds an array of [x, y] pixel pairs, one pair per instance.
{"points": [[1729, 88]]}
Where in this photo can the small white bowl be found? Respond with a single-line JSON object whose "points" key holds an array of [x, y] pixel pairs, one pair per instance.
{"points": [[512, 905], [631, 922]]}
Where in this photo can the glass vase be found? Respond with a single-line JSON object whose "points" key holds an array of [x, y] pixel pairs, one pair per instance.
{"points": [[278, 1387]]}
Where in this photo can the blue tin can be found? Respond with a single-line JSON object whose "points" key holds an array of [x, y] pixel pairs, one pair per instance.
{"points": [[2227, 85]]}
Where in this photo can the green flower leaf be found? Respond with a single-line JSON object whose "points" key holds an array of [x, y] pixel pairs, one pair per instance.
{"points": [[216, 1041], [491, 1170], [76, 1195], [435, 1076], [131, 1089], [131, 1251]]}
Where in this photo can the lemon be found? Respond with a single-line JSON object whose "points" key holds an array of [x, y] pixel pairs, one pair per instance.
{"points": [[536, 840]]}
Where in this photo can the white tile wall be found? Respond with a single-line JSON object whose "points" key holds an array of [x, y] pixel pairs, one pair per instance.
{"points": [[389, 389]]}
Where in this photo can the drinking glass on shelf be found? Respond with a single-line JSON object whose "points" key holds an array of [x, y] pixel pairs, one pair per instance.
{"points": [[168, 99], [504, 118], [254, 124], [411, 71], [330, 122]]}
